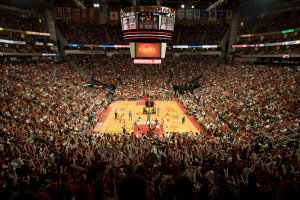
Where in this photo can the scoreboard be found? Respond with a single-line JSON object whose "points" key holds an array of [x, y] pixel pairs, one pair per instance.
{"points": [[129, 23], [147, 23], [147, 29], [167, 23]]}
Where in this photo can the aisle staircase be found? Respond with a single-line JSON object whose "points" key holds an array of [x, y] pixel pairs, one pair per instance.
{"points": [[49, 20], [178, 36], [197, 79], [106, 35]]}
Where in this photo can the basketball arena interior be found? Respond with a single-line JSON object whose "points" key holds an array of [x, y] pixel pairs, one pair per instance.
{"points": [[150, 99]]}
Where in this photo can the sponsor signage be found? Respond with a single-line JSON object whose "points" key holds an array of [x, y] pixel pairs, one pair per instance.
{"points": [[147, 61], [267, 44], [286, 56], [49, 54], [121, 46], [39, 43], [195, 46], [292, 30], [12, 42], [247, 35]]}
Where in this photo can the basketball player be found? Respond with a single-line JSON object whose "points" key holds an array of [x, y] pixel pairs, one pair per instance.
{"points": [[130, 115], [158, 111], [122, 118], [124, 129], [167, 117], [176, 118], [164, 122], [156, 124], [137, 123], [183, 119], [116, 114], [148, 117]]}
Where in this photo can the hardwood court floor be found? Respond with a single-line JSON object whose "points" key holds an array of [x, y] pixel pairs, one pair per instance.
{"points": [[108, 124]]}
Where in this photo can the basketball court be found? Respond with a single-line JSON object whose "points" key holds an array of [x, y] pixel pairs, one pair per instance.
{"points": [[171, 111]]}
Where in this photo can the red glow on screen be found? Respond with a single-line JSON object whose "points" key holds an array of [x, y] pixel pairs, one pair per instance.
{"points": [[147, 50]]}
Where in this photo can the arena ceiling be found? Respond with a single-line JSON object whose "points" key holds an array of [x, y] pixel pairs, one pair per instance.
{"points": [[243, 6], [203, 4], [169, 3]]}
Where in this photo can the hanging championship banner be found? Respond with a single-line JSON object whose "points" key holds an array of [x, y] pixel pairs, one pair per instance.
{"points": [[221, 14], [113, 16], [67, 12], [57, 12], [204, 14], [212, 15], [76, 13], [189, 14], [103, 16], [196, 13], [180, 14], [83, 14], [228, 14], [91, 14]]}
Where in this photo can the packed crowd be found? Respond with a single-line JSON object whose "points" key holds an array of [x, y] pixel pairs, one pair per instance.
{"points": [[180, 165], [134, 80], [82, 33], [254, 100], [271, 38], [273, 50], [94, 67], [48, 95], [160, 87], [129, 77], [87, 33], [188, 67], [19, 20], [115, 35], [29, 48], [206, 34], [48, 151], [23, 21], [271, 22]]}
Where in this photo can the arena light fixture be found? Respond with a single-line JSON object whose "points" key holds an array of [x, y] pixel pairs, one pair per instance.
{"points": [[96, 5], [182, 6], [193, 6]]}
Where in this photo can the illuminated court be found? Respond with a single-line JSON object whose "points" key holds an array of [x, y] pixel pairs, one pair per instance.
{"points": [[171, 111]]}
